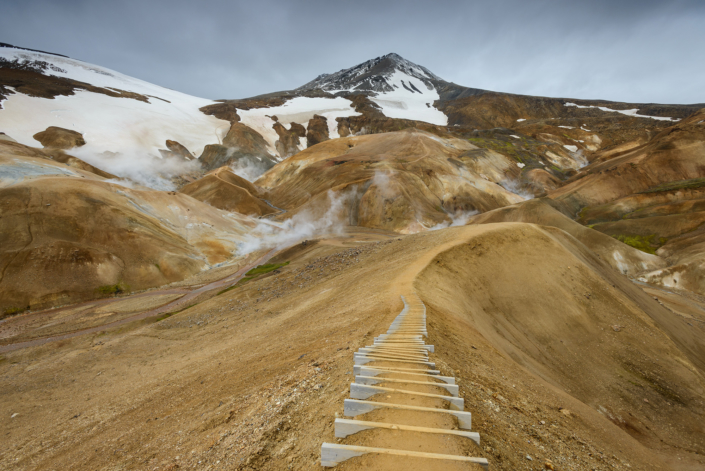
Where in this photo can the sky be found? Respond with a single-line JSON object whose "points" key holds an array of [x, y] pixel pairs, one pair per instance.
{"points": [[622, 50]]}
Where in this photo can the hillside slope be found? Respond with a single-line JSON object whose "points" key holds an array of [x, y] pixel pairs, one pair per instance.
{"points": [[67, 234], [558, 357]]}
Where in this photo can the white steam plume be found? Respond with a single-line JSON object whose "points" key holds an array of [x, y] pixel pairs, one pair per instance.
{"points": [[303, 225], [140, 167], [513, 187], [459, 218], [247, 169]]}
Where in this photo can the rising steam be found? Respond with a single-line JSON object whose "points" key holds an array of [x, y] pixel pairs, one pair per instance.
{"points": [[140, 166], [301, 226]]}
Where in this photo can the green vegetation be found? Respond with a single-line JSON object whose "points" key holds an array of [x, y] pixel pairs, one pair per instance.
{"points": [[167, 315], [266, 268], [642, 243], [11, 311], [255, 272], [678, 185], [109, 290], [504, 147]]}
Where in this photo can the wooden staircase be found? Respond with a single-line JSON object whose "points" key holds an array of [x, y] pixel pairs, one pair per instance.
{"points": [[389, 375]]}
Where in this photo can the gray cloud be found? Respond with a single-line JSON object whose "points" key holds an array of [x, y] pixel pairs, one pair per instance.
{"points": [[638, 51]]}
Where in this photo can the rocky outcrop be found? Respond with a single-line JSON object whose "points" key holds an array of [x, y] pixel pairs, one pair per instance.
{"points": [[242, 147], [226, 111], [317, 130], [60, 138], [289, 139], [179, 150]]}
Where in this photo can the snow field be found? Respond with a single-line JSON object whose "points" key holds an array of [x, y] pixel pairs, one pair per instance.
{"points": [[297, 110], [632, 112], [407, 103]]}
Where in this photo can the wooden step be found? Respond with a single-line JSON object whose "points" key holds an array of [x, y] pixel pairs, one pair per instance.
{"points": [[400, 347], [354, 407], [388, 369], [364, 391], [363, 359], [405, 350], [345, 427], [400, 355], [423, 346], [374, 371], [333, 453], [370, 380]]}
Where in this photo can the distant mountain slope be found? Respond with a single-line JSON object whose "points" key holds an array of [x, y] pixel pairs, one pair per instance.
{"points": [[126, 122], [114, 112]]}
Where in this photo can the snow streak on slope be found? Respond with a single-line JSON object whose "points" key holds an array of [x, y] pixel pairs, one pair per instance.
{"points": [[402, 89], [297, 110], [135, 129], [632, 112], [410, 99]]}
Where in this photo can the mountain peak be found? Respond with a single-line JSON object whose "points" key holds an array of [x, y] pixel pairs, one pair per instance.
{"points": [[373, 76]]}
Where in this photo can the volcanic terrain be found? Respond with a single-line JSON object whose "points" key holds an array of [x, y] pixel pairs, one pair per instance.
{"points": [[187, 283]]}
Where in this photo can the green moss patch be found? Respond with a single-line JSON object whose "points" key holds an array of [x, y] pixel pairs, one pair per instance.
{"points": [[13, 311], [678, 185], [642, 243], [111, 290], [254, 273]]}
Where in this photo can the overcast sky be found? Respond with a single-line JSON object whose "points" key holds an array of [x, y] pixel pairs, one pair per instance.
{"points": [[622, 50]]}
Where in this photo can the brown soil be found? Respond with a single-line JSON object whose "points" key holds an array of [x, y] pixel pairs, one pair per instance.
{"points": [[253, 378], [650, 194], [223, 189], [403, 181], [11, 148], [67, 238], [37, 84]]}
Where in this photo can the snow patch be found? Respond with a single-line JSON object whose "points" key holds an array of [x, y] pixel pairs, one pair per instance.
{"points": [[632, 112], [520, 120], [297, 110], [131, 128], [411, 99], [567, 127], [621, 263], [515, 136], [571, 148]]}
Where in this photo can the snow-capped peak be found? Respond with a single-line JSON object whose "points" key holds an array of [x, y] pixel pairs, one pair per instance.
{"points": [[374, 75]]}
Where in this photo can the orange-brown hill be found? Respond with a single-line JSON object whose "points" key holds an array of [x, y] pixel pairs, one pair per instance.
{"points": [[545, 212], [557, 355], [403, 181], [67, 235], [12, 148], [225, 190], [650, 196]]}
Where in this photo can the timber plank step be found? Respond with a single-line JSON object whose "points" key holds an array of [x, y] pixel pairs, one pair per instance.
{"points": [[346, 427], [334, 453]]}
